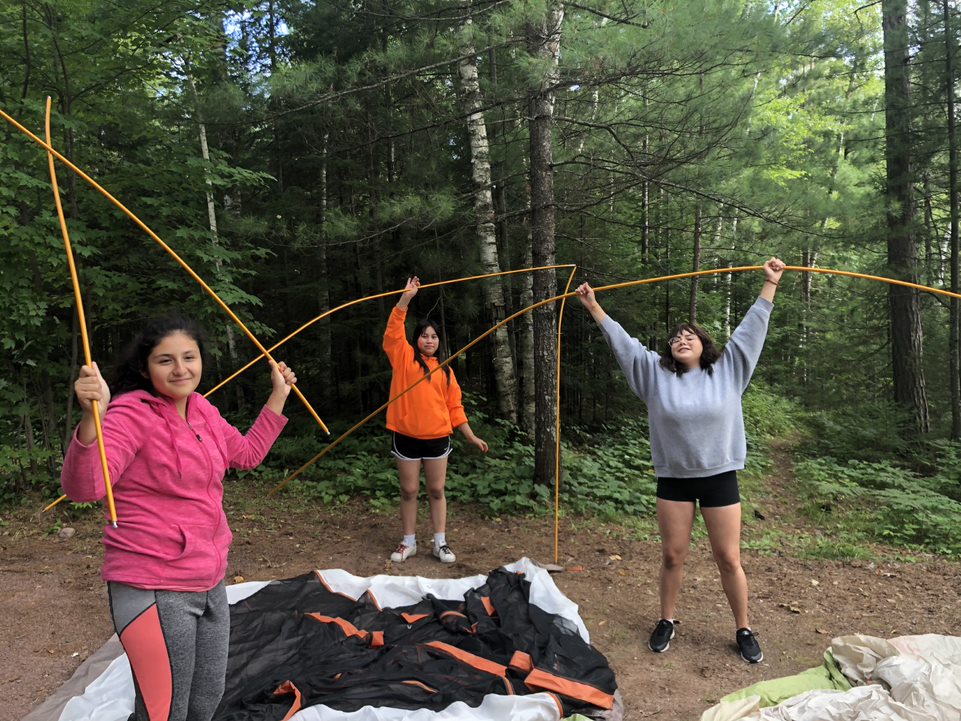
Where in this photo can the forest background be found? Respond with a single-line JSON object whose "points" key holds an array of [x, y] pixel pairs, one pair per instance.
{"points": [[300, 155]]}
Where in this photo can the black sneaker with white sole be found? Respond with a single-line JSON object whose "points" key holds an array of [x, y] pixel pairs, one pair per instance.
{"points": [[748, 646], [661, 636]]}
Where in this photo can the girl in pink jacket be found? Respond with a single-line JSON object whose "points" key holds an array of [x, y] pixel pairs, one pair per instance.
{"points": [[168, 450]]}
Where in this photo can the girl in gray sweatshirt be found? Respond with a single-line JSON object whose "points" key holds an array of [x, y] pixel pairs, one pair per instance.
{"points": [[693, 396]]}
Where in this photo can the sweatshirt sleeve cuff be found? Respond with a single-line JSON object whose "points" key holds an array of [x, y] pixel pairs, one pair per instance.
{"points": [[764, 303], [81, 444]]}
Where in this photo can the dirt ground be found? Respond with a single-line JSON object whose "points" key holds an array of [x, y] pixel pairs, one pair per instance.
{"points": [[53, 610]]}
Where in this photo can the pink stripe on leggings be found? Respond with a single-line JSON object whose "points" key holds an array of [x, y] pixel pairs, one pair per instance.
{"points": [[143, 640]]}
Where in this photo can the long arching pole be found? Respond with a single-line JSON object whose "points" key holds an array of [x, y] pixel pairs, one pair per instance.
{"points": [[143, 226], [81, 318], [375, 297]]}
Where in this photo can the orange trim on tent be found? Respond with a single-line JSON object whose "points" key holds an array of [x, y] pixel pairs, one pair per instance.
{"points": [[376, 639], [489, 605], [478, 662], [287, 688], [538, 679], [346, 626], [414, 617], [522, 662], [452, 613]]}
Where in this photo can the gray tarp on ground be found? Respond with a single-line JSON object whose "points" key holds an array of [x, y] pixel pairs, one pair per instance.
{"points": [[908, 678]]}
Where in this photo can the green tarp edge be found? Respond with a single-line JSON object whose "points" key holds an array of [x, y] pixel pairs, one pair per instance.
{"points": [[827, 676]]}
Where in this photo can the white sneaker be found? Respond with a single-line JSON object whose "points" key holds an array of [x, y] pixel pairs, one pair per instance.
{"points": [[403, 553], [444, 554]]}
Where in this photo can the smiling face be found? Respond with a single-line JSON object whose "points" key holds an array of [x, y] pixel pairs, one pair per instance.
{"points": [[174, 367], [428, 341], [686, 347]]}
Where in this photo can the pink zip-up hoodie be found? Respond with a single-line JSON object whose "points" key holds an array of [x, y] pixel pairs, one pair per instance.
{"points": [[167, 476]]}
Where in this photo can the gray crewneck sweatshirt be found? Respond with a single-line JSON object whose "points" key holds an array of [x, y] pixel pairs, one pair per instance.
{"points": [[697, 427]]}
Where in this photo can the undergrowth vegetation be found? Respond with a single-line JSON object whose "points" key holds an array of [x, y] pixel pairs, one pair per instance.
{"points": [[854, 486]]}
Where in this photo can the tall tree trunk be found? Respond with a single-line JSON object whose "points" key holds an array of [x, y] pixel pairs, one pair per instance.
{"points": [[543, 42], [324, 351], [696, 265], [729, 280], [528, 389], [212, 218], [27, 60], [504, 376], [906, 339], [954, 347]]}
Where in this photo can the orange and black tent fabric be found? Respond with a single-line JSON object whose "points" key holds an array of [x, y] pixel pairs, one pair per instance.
{"points": [[297, 643]]}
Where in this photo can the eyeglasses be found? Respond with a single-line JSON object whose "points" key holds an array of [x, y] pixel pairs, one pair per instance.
{"points": [[686, 337]]}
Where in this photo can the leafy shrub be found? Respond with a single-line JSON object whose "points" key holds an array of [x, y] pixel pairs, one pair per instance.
{"points": [[767, 414], [882, 502]]}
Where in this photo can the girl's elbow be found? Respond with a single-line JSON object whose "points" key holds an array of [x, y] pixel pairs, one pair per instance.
{"points": [[247, 463], [84, 495]]}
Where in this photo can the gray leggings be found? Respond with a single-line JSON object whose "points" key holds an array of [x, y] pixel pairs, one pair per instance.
{"points": [[177, 646]]}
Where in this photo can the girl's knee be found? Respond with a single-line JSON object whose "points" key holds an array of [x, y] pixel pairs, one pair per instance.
{"points": [[436, 494], [728, 563], [408, 494], [674, 557]]}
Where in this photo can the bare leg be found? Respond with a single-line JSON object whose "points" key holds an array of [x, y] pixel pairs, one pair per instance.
{"points": [[435, 473], [409, 472], [724, 530], [675, 519]]}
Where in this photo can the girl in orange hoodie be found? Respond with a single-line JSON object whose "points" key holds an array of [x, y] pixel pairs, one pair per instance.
{"points": [[421, 423]]}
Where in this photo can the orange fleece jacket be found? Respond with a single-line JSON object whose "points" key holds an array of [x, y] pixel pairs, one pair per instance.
{"points": [[435, 407]]}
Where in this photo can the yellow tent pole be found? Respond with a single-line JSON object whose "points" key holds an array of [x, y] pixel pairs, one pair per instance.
{"points": [[143, 226], [88, 358], [557, 424], [375, 297], [798, 268]]}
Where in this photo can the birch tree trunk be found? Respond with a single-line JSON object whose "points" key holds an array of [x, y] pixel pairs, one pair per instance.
{"points": [[543, 42], [906, 339], [696, 266], [504, 376], [323, 287], [954, 346], [212, 214]]}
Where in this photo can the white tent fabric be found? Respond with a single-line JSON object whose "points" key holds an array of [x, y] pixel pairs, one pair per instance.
{"points": [[909, 678], [110, 696]]}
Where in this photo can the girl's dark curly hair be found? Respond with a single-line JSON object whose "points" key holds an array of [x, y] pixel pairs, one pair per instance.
{"points": [[130, 369], [710, 353], [439, 355]]}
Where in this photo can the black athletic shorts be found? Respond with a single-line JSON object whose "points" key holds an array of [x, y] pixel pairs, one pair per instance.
{"points": [[711, 491], [405, 448]]}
